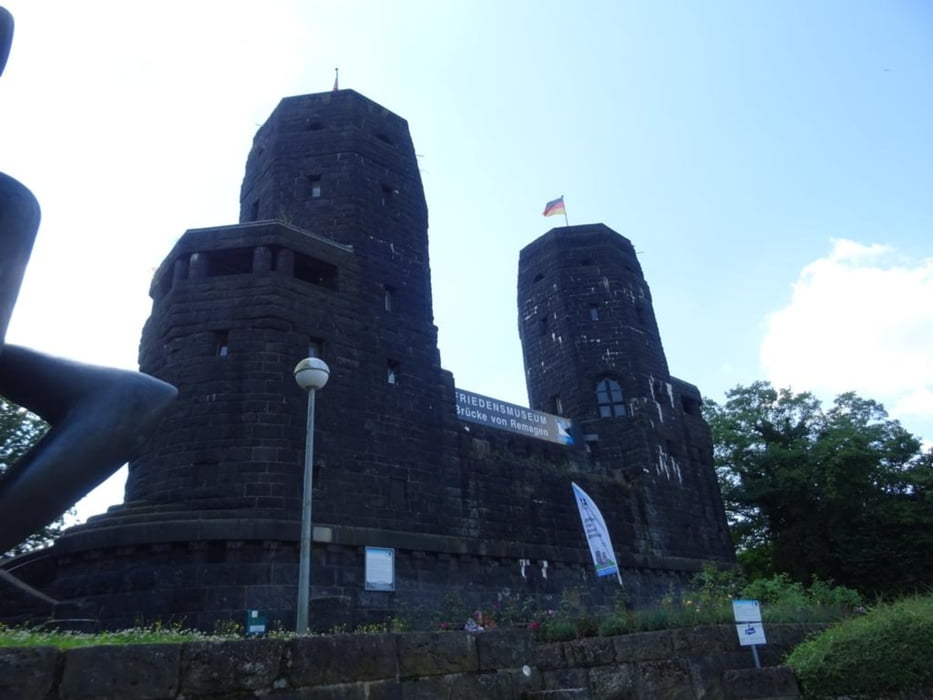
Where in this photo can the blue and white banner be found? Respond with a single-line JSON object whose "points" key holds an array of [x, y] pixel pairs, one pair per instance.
{"points": [[597, 534]]}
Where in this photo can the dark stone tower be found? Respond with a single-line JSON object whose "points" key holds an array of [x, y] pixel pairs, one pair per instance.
{"points": [[330, 258], [236, 307], [593, 353]]}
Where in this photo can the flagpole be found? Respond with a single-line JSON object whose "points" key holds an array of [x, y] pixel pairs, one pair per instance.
{"points": [[566, 220]]}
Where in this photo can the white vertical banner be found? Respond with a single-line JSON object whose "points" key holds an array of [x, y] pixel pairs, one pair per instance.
{"points": [[597, 535]]}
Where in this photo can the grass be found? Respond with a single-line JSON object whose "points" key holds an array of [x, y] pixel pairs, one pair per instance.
{"points": [[153, 634]]}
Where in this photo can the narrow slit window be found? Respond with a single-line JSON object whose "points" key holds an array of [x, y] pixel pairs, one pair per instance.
{"points": [[315, 182], [594, 312], [221, 343], [388, 294], [315, 347], [392, 372]]}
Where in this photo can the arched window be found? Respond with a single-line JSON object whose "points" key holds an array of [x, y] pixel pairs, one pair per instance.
{"points": [[609, 398]]}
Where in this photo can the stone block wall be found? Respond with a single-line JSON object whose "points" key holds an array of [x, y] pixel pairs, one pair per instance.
{"points": [[703, 662]]}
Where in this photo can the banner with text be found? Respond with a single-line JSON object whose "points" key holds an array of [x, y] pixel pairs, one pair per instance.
{"points": [[597, 534], [506, 416]]}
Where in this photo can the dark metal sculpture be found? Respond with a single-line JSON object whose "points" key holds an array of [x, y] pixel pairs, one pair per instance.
{"points": [[98, 416]]}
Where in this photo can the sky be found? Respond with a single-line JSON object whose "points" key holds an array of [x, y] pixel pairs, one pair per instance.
{"points": [[770, 161]]}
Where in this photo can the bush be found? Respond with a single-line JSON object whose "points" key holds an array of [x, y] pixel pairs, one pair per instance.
{"points": [[884, 652], [615, 624], [558, 631]]}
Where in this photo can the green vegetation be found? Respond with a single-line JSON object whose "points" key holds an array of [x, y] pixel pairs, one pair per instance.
{"points": [[19, 431], [707, 601], [153, 634], [879, 654], [843, 494]]}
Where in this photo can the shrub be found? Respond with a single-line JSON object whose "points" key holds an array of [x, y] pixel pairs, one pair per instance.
{"points": [[558, 631], [884, 652], [784, 600]]}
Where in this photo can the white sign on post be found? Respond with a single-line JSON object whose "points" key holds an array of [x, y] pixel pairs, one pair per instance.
{"points": [[748, 622]]}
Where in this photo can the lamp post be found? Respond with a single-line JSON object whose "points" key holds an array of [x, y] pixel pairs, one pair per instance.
{"points": [[311, 374]]}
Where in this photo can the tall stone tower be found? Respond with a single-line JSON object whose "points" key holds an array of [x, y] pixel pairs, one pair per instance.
{"points": [[593, 352], [330, 258]]}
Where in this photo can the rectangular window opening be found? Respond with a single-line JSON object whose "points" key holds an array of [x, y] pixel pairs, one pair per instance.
{"points": [[388, 298], [392, 372], [316, 348], [315, 183], [221, 343], [594, 312], [233, 261], [314, 271]]}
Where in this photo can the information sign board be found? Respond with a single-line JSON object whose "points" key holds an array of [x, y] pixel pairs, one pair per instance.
{"points": [[380, 569], [516, 419]]}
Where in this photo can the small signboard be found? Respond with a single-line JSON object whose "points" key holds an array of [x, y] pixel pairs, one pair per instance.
{"points": [[751, 634], [748, 624], [746, 610], [516, 419], [380, 569], [255, 623]]}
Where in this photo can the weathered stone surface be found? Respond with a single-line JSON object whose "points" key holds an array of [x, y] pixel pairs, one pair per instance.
{"points": [[559, 694], [225, 667], [337, 659], [646, 646], [27, 673], [665, 679], [131, 672], [706, 639], [429, 654], [565, 678], [430, 688], [594, 651], [616, 682], [482, 686], [549, 656], [706, 675], [505, 649], [767, 682]]}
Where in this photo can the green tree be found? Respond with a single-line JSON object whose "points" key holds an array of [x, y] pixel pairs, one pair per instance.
{"points": [[19, 431], [844, 494]]}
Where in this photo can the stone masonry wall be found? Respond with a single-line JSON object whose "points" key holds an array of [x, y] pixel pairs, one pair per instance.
{"points": [[702, 662]]}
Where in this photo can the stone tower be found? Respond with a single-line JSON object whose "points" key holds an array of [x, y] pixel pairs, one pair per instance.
{"points": [[593, 352], [330, 258]]}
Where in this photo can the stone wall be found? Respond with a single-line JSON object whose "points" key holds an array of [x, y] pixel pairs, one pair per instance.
{"points": [[703, 662]]}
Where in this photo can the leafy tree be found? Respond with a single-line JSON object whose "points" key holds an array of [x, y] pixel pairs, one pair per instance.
{"points": [[844, 494], [19, 431]]}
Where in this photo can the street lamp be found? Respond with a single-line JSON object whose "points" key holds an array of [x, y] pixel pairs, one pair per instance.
{"points": [[311, 374]]}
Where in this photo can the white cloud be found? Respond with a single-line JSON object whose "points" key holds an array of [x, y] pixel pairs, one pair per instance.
{"points": [[859, 319]]}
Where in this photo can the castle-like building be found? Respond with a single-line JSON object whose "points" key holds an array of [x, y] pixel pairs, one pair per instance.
{"points": [[422, 491]]}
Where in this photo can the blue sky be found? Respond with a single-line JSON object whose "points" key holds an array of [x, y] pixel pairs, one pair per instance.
{"points": [[769, 161]]}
